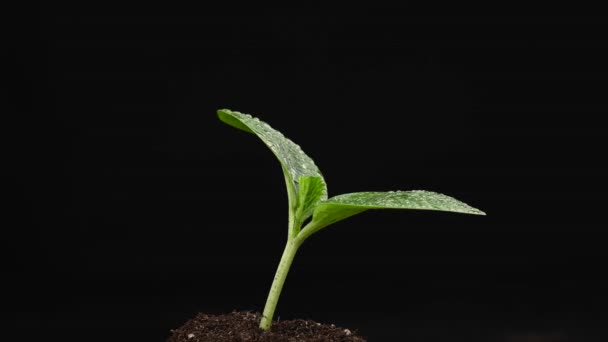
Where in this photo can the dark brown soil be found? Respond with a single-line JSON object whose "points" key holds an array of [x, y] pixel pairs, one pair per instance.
{"points": [[243, 326]]}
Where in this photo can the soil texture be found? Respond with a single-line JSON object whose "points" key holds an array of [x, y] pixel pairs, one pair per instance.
{"points": [[243, 326]]}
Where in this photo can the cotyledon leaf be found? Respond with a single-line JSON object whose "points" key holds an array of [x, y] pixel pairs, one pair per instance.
{"points": [[342, 206], [294, 161]]}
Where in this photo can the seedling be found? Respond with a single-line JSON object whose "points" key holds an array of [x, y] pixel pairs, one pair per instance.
{"points": [[307, 196]]}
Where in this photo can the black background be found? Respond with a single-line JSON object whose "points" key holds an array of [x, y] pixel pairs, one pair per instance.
{"points": [[136, 207]]}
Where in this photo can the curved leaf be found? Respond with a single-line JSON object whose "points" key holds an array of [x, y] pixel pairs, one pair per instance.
{"points": [[342, 206], [415, 199], [291, 156]]}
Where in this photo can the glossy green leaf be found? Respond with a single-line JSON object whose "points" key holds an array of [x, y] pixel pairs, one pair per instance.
{"points": [[296, 165], [416, 199], [294, 161], [342, 206]]}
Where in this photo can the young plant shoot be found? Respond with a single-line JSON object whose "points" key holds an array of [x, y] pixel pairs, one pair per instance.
{"points": [[307, 196]]}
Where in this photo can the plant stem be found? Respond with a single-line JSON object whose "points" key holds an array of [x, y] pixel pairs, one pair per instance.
{"points": [[279, 279]]}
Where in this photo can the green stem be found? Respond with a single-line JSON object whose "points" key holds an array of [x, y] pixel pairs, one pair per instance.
{"points": [[279, 279]]}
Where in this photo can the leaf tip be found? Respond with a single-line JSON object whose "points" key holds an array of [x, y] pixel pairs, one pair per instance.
{"points": [[474, 211], [480, 213], [232, 118]]}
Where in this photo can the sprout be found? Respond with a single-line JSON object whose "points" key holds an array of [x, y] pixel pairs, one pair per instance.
{"points": [[307, 195]]}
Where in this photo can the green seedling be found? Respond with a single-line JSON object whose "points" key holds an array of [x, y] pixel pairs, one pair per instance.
{"points": [[308, 201]]}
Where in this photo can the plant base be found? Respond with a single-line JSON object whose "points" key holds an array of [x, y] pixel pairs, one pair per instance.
{"points": [[244, 326]]}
